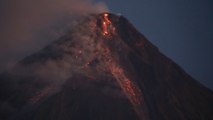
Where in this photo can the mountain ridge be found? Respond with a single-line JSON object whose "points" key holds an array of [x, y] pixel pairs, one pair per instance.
{"points": [[102, 69]]}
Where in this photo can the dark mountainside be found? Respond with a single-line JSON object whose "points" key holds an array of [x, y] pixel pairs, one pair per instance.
{"points": [[104, 69]]}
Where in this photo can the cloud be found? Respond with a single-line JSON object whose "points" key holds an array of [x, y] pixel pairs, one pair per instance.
{"points": [[28, 25]]}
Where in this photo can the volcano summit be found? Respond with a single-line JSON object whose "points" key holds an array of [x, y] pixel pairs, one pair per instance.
{"points": [[103, 69]]}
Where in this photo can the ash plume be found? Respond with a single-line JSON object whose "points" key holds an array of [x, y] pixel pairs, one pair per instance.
{"points": [[29, 25]]}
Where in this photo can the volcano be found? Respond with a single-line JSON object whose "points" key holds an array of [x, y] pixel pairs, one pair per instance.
{"points": [[102, 69]]}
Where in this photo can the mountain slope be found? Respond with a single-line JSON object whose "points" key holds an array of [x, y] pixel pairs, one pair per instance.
{"points": [[102, 69]]}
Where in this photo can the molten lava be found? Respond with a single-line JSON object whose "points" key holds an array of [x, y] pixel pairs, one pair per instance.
{"points": [[106, 18], [130, 89], [40, 94], [106, 24]]}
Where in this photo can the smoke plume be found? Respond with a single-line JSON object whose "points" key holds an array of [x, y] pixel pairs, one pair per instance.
{"points": [[28, 25]]}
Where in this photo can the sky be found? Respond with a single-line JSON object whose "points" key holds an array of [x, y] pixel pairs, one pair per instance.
{"points": [[181, 29]]}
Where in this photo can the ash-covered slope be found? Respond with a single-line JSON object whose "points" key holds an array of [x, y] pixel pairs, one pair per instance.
{"points": [[103, 69]]}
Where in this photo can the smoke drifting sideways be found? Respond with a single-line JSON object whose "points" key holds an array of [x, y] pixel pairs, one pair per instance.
{"points": [[29, 25]]}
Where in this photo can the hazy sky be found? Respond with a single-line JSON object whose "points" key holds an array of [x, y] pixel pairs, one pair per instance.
{"points": [[181, 29]]}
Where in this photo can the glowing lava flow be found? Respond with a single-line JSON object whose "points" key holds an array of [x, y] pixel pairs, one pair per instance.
{"points": [[131, 90], [106, 18], [39, 95], [106, 24], [128, 86]]}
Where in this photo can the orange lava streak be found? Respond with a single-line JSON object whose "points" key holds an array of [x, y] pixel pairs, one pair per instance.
{"points": [[39, 95], [106, 18], [106, 24], [132, 91], [129, 88]]}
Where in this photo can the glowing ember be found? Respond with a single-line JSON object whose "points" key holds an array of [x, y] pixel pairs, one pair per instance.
{"points": [[105, 15]]}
